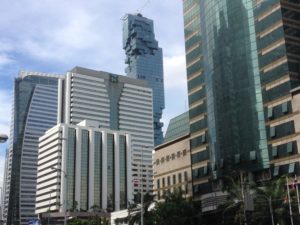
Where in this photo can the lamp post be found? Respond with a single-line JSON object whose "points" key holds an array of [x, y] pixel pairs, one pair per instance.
{"points": [[3, 138], [65, 202]]}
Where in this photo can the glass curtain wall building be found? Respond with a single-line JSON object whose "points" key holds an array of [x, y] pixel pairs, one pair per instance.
{"points": [[34, 112], [240, 73], [278, 40], [100, 175], [145, 61]]}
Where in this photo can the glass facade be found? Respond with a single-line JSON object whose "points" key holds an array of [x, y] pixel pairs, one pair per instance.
{"points": [[279, 63], [98, 169], [145, 61], [240, 75], [70, 170], [25, 88], [110, 171], [123, 172], [84, 176], [178, 127]]}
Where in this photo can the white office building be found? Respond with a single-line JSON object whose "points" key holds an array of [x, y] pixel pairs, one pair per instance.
{"points": [[80, 166], [117, 103]]}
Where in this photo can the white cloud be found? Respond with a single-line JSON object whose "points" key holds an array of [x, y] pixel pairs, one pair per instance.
{"points": [[5, 111], [5, 59], [175, 72], [2, 162]]}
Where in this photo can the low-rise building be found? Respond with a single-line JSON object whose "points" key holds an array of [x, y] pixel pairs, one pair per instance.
{"points": [[172, 159]]}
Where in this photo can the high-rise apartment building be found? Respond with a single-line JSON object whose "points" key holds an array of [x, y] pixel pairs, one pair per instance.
{"points": [[80, 166], [242, 62], [145, 61], [34, 111], [116, 103]]}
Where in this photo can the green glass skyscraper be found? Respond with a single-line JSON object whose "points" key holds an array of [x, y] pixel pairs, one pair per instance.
{"points": [[234, 51]]}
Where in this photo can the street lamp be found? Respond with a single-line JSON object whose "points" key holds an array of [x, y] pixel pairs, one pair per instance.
{"points": [[65, 202], [3, 138]]}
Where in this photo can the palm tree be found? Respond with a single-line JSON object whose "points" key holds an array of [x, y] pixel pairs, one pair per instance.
{"points": [[237, 188], [271, 201]]}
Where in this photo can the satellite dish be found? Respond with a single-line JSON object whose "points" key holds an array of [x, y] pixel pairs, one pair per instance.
{"points": [[3, 138]]}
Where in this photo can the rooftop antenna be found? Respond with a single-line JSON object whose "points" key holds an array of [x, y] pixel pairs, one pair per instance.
{"points": [[138, 11], [143, 6]]}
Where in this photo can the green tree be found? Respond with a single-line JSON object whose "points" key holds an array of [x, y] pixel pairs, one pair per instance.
{"points": [[176, 210], [134, 211], [237, 188], [271, 200]]}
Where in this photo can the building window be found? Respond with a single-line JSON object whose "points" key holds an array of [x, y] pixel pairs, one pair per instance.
{"points": [[174, 179], [179, 178], [163, 182], [284, 107], [168, 158], [205, 170], [157, 162], [274, 151], [270, 113], [110, 171], [98, 169], [237, 158], [203, 138], [162, 160], [276, 171], [253, 155], [272, 132], [178, 154], [158, 183], [289, 147], [173, 156], [184, 152], [292, 168], [122, 171], [84, 169], [221, 163], [168, 181], [185, 176]]}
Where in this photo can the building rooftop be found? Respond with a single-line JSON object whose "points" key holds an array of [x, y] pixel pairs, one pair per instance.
{"points": [[178, 127], [107, 76]]}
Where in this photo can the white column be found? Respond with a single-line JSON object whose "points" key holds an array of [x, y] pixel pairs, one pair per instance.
{"points": [[78, 167], [91, 167], [129, 170], [104, 170], [67, 98], [117, 171], [64, 152]]}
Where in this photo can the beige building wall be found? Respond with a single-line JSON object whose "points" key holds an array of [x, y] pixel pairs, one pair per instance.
{"points": [[172, 167]]}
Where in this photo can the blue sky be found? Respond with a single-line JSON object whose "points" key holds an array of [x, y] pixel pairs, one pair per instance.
{"points": [[56, 35]]}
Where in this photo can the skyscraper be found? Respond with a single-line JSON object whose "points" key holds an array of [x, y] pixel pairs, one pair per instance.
{"points": [[145, 61], [34, 112], [240, 74], [116, 103]]}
